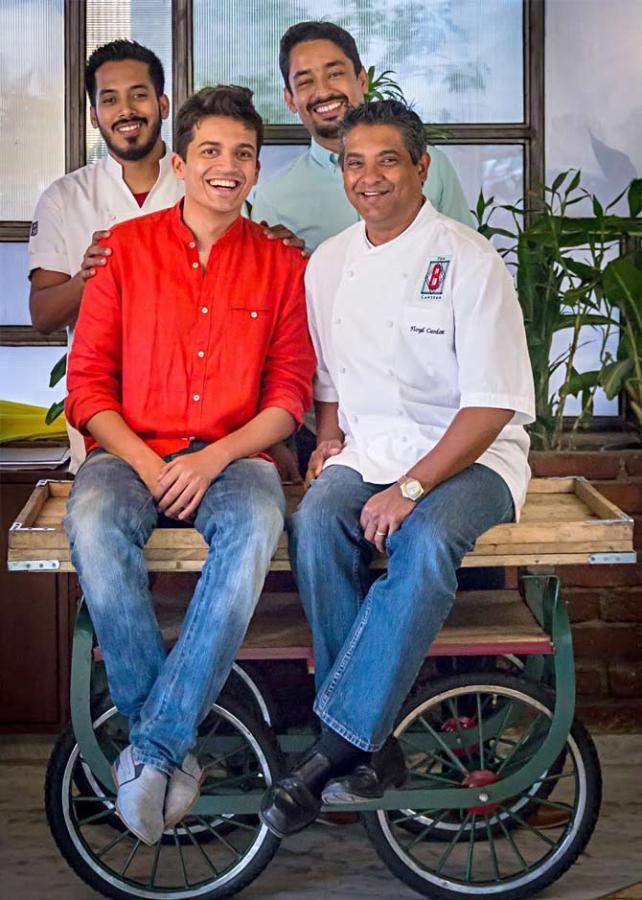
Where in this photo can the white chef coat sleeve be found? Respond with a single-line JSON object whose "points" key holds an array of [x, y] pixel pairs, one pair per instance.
{"points": [[47, 248], [490, 340], [323, 385]]}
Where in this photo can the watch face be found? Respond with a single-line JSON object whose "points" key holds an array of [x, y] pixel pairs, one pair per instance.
{"points": [[412, 489]]}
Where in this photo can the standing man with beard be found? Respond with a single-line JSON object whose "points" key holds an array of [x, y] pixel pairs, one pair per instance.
{"points": [[125, 84], [324, 78]]}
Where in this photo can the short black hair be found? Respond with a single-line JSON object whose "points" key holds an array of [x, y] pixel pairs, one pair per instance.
{"points": [[387, 112], [119, 51], [228, 100], [317, 31]]}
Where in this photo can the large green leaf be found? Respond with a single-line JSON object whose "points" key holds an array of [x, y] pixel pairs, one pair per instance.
{"points": [[614, 375], [579, 381]]}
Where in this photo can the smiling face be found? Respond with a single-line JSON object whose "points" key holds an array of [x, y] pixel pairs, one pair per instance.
{"points": [[322, 86], [380, 179], [127, 111], [221, 164]]}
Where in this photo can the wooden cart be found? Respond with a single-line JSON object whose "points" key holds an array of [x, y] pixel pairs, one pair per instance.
{"points": [[487, 751]]}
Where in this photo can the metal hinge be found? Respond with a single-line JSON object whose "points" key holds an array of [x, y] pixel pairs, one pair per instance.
{"points": [[612, 558], [33, 565]]}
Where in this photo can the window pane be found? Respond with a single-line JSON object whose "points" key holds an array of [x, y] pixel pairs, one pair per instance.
{"points": [[24, 375], [14, 309], [593, 100], [147, 21], [32, 114], [458, 60]]}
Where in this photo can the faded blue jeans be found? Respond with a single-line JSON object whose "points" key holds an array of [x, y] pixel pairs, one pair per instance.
{"points": [[110, 516], [370, 641]]}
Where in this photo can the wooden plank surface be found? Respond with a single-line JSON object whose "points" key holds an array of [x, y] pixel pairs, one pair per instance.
{"points": [[564, 521]]}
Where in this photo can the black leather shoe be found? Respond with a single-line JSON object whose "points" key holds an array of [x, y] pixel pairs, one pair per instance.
{"points": [[387, 768], [294, 801]]}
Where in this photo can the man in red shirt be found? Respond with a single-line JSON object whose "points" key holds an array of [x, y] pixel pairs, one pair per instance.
{"points": [[191, 357]]}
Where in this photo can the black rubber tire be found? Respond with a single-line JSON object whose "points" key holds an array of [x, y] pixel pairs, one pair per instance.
{"points": [[61, 757], [586, 754]]}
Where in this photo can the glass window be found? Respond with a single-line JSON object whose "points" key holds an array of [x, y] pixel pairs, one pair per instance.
{"points": [[147, 21], [593, 101], [14, 308], [24, 375], [32, 113], [457, 61]]}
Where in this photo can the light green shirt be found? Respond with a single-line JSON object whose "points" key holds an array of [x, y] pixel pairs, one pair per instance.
{"points": [[307, 195]]}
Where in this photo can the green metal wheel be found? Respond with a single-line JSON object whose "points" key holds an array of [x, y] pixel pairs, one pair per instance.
{"points": [[204, 856], [468, 731]]}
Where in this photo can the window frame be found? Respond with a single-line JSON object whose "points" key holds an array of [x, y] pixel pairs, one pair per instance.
{"points": [[529, 134]]}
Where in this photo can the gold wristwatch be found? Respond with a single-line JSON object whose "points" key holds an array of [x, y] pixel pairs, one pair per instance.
{"points": [[410, 488]]}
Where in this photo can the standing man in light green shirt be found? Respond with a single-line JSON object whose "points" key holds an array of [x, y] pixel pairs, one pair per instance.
{"points": [[324, 77]]}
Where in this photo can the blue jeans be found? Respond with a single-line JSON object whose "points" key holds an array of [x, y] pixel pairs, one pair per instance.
{"points": [[370, 641], [110, 516]]}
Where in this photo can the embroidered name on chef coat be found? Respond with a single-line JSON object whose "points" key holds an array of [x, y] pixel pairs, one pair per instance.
{"points": [[433, 284]]}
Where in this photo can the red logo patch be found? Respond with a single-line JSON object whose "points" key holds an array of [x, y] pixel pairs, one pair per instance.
{"points": [[433, 285]]}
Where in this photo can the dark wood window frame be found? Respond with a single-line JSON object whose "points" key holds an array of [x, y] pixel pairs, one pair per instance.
{"points": [[529, 134]]}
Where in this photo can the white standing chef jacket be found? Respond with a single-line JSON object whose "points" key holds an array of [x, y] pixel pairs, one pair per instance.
{"points": [[73, 207], [411, 331]]}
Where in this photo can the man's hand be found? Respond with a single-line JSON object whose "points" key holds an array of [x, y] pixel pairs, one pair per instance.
{"points": [[150, 470], [184, 480], [281, 233], [324, 451], [95, 255], [286, 463], [383, 514]]}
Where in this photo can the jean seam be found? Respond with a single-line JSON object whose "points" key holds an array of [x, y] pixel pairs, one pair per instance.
{"points": [[347, 733], [326, 695], [157, 762]]}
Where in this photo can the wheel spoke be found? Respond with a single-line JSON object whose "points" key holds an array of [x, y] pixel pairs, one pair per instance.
{"points": [[155, 862], [520, 743], [460, 733], [502, 728], [516, 850], [471, 850], [565, 807], [96, 817], [218, 759], [181, 857], [420, 837], [493, 854], [451, 846], [531, 828], [431, 731], [132, 854], [199, 847], [111, 844], [480, 739]]}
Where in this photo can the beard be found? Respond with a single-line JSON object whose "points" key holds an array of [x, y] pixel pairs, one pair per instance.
{"points": [[330, 129], [134, 151]]}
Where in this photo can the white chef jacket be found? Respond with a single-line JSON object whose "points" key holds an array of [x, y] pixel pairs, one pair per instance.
{"points": [[72, 208], [411, 331]]}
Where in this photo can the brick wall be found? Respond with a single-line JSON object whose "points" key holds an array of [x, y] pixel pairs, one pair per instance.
{"points": [[605, 602]]}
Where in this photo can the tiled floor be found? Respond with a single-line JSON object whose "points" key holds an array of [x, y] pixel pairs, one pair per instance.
{"points": [[325, 862]]}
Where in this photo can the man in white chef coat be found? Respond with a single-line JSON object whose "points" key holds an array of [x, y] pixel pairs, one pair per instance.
{"points": [[422, 390], [125, 86]]}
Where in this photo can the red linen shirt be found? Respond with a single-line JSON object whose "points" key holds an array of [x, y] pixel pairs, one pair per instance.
{"points": [[184, 354]]}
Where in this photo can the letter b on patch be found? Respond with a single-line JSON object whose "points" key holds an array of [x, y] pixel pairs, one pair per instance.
{"points": [[433, 284]]}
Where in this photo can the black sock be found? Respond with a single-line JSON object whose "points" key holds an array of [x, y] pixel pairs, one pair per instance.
{"points": [[343, 755]]}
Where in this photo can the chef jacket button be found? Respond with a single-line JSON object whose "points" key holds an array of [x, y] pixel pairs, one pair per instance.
{"points": [[254, 314], [200, 354], [192, 245], [355, 418], [391, 372], [196, 397], [204, 310], [195, 265], [342, 370], [337, 321], [404, 439], [390, 323], [350, 273]]}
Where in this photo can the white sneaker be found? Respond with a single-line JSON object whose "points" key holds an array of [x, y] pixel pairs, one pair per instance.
{"points": [[141, 797], [183, 790]]}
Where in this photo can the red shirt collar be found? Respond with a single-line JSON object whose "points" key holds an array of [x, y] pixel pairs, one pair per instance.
{"points": [[186, 236]]}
